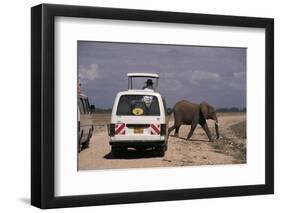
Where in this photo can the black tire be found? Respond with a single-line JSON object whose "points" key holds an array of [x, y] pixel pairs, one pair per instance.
{"points": [[115, 151], [79, 148], [166, 146], [161, 150], [87, 144]]}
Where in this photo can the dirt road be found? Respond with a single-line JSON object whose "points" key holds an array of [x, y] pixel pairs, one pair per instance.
{"points": [[229, 149]]}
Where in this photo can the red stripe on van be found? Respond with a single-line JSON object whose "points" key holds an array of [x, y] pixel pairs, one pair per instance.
{"points": [[155, 129], [120, 129]]}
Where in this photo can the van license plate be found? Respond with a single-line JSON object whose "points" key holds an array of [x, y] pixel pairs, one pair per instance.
{"points": [[138, 130]]}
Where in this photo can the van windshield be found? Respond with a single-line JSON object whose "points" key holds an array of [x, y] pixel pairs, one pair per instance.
{"points": [[138, 105]]}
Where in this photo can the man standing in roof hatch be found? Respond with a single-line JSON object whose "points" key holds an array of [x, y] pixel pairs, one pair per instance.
{"points": [[149, 85]]}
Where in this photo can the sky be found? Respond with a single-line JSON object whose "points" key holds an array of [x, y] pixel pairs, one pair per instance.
{"points": [[216, 75]]}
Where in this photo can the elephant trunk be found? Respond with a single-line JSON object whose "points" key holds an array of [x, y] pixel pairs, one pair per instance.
{"points": [[217, 127]]}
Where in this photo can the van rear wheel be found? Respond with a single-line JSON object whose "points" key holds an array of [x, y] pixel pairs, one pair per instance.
{"points": [[115, 151], [166, 146], [161, 150]]}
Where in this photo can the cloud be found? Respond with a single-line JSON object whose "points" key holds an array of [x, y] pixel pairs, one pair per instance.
{"points": [[89, 74], [235, 85], [237, 82], [198, 77], [239, 75], [217, 75]]}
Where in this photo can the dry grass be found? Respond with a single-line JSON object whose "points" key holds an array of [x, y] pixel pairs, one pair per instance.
{"points": [[235, 143]]}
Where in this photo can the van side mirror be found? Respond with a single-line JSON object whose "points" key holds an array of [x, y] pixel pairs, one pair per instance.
{"points": [[169, 111], [93, 108]]}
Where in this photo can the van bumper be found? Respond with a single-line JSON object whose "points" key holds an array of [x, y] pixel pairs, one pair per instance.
{"points": [[138, 143]]}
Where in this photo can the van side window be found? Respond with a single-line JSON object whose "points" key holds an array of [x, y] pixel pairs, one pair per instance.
{"points": [[85, 105], [88, 105], [164, 103], [83, 111], [80, 106]]}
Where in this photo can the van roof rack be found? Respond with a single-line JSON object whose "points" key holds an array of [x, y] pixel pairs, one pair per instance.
{"points": [[143, 74]]}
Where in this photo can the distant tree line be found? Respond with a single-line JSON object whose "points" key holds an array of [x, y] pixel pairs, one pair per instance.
{"points": [[100, 110], [231, 109]]}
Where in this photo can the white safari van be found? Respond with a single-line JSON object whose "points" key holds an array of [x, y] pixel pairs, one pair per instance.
{"points": [[138, 118]]}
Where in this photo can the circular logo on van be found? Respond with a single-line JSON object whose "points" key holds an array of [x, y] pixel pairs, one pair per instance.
{"points": [[137, 111]]}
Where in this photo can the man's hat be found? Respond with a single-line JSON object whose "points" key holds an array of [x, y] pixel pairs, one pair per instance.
{"points": [[149, 81]]}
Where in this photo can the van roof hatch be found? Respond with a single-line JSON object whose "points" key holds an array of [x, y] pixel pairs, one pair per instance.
{"points": [[152, 76]]}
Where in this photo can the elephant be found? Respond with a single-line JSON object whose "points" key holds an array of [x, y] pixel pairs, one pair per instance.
{"points": [[189, 113]]}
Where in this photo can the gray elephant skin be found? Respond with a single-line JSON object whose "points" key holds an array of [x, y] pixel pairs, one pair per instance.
{"points": [[192, 114]]}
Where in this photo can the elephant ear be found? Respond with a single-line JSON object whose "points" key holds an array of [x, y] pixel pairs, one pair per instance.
{"points": [[204, 109]]}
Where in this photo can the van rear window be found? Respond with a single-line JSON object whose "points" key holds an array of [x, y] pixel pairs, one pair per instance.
{"points": [[138, 105]]}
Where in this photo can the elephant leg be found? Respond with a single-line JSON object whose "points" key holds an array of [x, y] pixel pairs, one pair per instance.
{"points": [[206, 129], [175, 126], [193, 126], [177, 131], [170, 129]]}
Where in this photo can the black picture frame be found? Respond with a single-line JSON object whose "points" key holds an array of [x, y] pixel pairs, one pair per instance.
{"points": [[43, 102]]}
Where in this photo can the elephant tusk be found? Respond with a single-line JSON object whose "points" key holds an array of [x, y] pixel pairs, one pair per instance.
{"points": [[217, 123]]}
